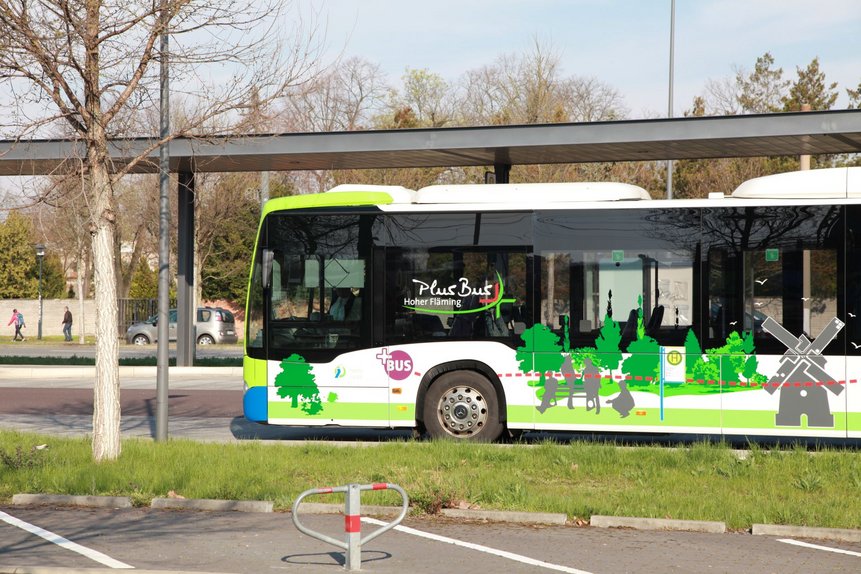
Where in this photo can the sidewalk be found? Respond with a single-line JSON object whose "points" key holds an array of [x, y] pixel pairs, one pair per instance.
{"points": [[82, 376], [11, 373]]}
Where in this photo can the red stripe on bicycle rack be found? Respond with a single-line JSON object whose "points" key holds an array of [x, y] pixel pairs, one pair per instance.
{"points": [[352, 523], [379, 486]]}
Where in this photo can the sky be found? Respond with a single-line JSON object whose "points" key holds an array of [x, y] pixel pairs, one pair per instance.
{"points": [[623, 43]]}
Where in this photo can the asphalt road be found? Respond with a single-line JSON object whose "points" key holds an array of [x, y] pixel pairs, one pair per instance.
{"points": [[133, 402], [253, 543]]}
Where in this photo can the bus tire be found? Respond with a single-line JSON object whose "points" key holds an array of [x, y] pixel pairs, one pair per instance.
{"points": [[462, 405]]}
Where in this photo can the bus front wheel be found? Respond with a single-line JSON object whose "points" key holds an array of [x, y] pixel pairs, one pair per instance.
{"points": [[462, 405]]}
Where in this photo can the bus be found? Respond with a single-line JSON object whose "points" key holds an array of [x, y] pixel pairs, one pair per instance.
{"points": [[467, 311]]}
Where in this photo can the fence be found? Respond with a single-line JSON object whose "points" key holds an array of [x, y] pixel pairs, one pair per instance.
{"points": [[135, 311]]}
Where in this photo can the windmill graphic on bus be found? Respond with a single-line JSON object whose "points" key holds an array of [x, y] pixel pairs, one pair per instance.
{"points": [[801, 376]]}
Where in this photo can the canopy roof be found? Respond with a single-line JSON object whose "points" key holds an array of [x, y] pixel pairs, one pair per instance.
{"points": [[813, 133]]}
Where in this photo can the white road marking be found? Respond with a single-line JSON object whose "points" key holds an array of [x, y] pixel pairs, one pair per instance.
{"points": [[60, 541], [817, 547], [480, 548]]}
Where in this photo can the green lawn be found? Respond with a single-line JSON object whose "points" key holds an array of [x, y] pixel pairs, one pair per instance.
{"points": [[699, 482]]}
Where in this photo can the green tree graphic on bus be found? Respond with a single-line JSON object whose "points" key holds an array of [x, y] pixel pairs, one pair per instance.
{"points": [[542, 353], [608, 355], [643, 364], [733, 362], [297, 383]]}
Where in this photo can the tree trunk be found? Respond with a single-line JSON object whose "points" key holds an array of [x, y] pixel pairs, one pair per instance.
{"points": [[106, 392]]}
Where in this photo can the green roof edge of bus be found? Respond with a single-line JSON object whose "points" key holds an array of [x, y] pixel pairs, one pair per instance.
{"points": [[340, 199]]}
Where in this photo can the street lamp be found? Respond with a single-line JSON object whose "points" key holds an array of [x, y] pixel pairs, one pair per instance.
{"points": [[40, 254]]}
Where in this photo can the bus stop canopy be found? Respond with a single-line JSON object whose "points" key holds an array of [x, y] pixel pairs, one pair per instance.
{"points": [[808, 133], [812, 133]]}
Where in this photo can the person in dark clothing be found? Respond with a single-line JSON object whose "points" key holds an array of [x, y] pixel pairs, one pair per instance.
{"points": [[67, 325]]}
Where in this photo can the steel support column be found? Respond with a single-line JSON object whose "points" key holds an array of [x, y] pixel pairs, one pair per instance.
{"points": [[185, 304], [501, 171]]}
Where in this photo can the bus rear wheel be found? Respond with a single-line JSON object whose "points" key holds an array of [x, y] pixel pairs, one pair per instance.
{"points": [[462, 405]]}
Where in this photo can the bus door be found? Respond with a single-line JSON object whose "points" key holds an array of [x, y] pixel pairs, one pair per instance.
{"points": [[322, 369]]}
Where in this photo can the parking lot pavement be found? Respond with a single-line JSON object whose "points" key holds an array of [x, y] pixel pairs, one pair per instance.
{"points": [[239, 542]]}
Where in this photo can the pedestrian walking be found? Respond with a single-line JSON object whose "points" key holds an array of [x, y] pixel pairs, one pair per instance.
{"points": [[18, 320], [67, 325]]}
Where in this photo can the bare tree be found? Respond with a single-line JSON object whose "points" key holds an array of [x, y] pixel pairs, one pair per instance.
{"points": [[721, 98], [343, 99], [428, 96], [89, 65], [530, 89]]}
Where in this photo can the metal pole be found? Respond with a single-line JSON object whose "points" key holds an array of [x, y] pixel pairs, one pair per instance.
{"points": [[353, 527], [162, 356], [185, 305], [264, 188], [670, 103], [39, 335]]}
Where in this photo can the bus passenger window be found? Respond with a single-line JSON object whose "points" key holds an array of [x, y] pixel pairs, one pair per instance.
{"points": [[458, 293], [647, 292]]}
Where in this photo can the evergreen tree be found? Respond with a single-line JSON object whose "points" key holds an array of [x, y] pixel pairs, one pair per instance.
{"points": [[810, 88], [53, 277], [224, 273], [144, 283], [761, 91], [854, 97], [17, 258]]}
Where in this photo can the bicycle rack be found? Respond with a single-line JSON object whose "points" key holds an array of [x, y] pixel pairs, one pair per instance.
{"points": [[352, 519]]}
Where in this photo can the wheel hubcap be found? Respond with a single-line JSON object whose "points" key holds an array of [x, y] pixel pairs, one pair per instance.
{"points": [[462, 411]]}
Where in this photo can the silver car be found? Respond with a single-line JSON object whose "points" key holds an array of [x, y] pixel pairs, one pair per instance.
{"points": [[214, 325]]}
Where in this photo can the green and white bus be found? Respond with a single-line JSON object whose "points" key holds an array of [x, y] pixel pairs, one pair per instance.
{"points": [[465, 310]]}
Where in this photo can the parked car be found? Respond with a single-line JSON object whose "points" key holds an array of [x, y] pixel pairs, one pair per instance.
{"points": [[214, 325]]}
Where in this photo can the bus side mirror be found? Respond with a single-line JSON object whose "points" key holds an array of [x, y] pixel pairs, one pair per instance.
{"points": [[268, 257]]}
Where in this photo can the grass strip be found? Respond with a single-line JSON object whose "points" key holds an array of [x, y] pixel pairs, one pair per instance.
{"points": [[701, 482]]}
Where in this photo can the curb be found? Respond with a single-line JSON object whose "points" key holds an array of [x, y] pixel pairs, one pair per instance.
{"points": [[839, 534], [506, 516], [598, 521], [657, 524], [71, 500], [212, 504]]}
